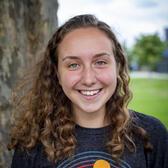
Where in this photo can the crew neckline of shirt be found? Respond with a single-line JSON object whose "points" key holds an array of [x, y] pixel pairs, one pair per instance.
{"points": [[95, 131]]}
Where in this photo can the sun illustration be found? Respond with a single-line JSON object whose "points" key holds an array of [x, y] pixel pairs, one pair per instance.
{"points": [[101, 164]]}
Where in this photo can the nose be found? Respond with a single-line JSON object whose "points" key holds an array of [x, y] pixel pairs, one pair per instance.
{"points": [[88, 76]]}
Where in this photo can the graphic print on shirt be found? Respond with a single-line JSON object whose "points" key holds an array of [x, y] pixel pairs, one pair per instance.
{"points": [[92, 159]]}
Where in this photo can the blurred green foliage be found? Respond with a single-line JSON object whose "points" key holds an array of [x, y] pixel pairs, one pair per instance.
{"points": [[147, 51], [150, 96]]}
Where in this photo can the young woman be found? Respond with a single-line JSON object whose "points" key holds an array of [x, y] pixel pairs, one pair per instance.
{"points": [[75, 113]]}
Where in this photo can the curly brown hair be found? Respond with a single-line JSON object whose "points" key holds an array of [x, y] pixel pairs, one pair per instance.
{"points": [[44, 111]]}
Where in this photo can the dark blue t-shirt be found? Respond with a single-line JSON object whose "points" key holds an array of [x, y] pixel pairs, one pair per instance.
{"points": [[91, 152]]}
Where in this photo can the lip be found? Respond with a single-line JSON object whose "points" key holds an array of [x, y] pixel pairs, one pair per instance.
{"points": [[90, 94]]}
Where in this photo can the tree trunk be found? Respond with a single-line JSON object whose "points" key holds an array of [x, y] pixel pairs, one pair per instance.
{"points": [[25, 28]]}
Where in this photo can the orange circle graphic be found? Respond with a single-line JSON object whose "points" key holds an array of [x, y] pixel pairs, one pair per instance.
{"points": [[101, 164]]}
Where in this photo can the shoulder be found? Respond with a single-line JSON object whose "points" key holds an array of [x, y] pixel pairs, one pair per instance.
{"points": [[23, 157], [152, 125], [158, 137], [146, 121], [29, 158], [22, 152]]}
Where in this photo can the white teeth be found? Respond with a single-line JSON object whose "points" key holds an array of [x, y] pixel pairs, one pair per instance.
{"points": [[89, 93]]}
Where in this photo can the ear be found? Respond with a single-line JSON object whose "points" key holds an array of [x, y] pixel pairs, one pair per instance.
{"points": [[58, 75], [117, 68]]}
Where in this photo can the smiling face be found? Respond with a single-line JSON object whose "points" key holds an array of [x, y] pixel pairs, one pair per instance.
{"points": [[87, 70]]}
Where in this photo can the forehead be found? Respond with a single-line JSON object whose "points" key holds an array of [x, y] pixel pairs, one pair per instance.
{"points": [[85, 32], [88, 39]]}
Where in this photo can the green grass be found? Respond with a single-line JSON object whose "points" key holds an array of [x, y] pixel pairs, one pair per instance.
{"points": [[150, 96]]}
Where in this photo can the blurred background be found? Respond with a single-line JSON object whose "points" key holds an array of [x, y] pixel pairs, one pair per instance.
{"points": [[140, 25]]}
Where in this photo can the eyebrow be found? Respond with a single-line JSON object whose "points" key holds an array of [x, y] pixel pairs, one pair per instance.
{"points": [[95, 56], [102, 54], [70, 57]]}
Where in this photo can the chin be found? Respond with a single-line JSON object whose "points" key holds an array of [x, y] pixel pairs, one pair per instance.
{"points": [[91, 110]]}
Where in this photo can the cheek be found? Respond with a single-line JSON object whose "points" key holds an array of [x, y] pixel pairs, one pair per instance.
{"points": [[69, 79], [108, 77]]}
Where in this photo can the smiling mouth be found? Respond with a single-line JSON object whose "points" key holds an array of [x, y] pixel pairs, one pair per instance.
{"points": [[90, 92]]}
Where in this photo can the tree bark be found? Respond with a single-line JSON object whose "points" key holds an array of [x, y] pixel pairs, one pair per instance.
{"points": [[25, 28]]}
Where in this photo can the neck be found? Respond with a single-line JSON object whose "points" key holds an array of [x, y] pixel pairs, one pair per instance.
{"points": [[91, 120]]}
